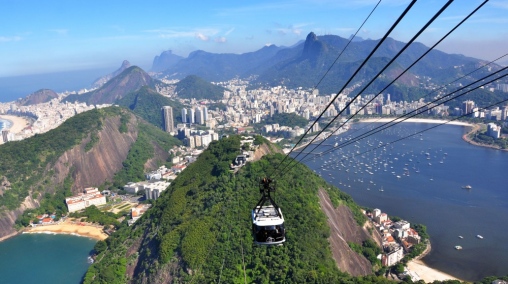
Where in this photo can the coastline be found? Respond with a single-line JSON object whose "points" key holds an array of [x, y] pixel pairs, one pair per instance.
{"points": [[465, 137], [475, 128], [417, 120], [8, 236], [426, 273], [17, 123], [68, 228]]}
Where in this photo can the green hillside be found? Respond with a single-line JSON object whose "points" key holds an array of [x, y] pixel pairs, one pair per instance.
{"points": [[199, 230], [147, 103], [195, 87], [28, 165], [24, 162]]}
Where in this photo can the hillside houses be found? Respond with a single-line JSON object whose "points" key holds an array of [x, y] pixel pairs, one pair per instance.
{"points": [[398, 237]]}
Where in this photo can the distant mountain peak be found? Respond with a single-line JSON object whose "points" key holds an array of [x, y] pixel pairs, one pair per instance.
{"points": [[355, 38], [165, 60], [104, 79], [130, 80], [313, 47], [125, 64], [38, 97]]}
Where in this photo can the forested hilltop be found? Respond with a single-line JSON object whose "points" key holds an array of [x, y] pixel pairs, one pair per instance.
{"points": [[199, 229], [100, 147]]}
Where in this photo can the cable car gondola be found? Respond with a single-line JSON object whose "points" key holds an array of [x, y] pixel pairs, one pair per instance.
{"points": [[267, 219]]}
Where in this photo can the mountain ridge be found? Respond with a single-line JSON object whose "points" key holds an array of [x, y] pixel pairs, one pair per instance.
{"points": [[88, 149], [38, 97], [129, 80], [99, 82], [303, 64]]}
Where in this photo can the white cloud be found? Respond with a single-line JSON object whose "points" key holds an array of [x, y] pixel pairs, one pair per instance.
{"points": [[9, 39], [295, 29], [201, 36], [60, 31], [220, 39], [229, 31]]}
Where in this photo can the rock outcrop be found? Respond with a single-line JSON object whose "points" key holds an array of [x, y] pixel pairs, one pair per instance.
{"points": [[344, 229]]}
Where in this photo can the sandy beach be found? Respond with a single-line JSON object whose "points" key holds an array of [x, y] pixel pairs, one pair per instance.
{"points": [[426, 273], [418, 120], [18, 123], [70, 228]]}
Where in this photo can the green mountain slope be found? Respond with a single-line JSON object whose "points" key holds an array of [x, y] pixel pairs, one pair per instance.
{"points": [[98, 146], [195, 87], [131, 79], [199, 230], [147, 103]]}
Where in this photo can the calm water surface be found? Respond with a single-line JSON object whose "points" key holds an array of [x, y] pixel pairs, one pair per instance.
{"points": [[420, 179], [41, 259]]}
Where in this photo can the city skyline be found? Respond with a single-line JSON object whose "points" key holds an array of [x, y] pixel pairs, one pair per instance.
{"points": [[48, 37]]}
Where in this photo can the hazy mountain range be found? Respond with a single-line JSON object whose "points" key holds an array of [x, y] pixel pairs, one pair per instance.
{"points": [[300, 65], [304, 64]]}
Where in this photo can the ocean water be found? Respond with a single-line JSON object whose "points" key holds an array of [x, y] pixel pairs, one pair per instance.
{"points": [[423, 183], [13, 88], [44, 258]]}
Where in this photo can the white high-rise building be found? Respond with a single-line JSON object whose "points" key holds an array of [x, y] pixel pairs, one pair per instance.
{"points": [[184, 115], [167, 116], [191, 116], [200, 119], [205, 113]]}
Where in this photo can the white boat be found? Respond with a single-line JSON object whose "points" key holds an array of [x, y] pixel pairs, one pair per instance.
{"points": [[479, 236], [461, 237], [458, 247], [467, 187]]}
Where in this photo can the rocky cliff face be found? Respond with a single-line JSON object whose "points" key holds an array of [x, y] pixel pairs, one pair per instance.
{"points": [[344, 229], [90, 168], [98, 165]]}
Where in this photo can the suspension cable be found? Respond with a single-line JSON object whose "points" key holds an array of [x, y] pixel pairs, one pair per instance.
{"points": [[352, 76], [427, 129], [374, 78], [396, 78], [440, 88], [398, 119]]}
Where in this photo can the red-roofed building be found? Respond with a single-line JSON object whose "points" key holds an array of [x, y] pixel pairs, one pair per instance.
{"points": [[47, 221], [178, 168]]}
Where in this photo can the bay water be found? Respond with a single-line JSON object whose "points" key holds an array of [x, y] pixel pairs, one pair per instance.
{"points": [[421, 179], [44, 258]]}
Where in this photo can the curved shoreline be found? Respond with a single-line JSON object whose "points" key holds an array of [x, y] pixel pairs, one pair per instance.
{"points": [[416, 120], [475, 128], [426, 273], [67, 228], [17, 123]]}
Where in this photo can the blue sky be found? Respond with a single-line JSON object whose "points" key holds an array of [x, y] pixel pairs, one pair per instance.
{"points": [[53, 36]]}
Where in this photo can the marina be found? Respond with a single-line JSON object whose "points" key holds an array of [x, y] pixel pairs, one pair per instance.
{"points": [[377, 172]]}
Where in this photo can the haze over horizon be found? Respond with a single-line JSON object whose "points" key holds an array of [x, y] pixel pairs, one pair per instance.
{"points": [[41, 37]]}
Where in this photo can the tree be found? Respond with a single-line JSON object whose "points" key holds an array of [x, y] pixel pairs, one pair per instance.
{"points": [[399, 268], [100, 246]]}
